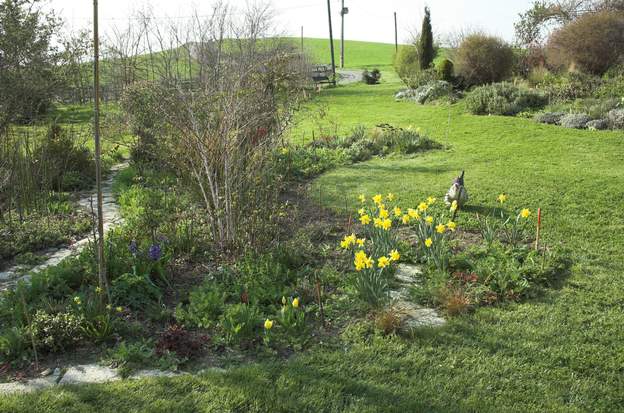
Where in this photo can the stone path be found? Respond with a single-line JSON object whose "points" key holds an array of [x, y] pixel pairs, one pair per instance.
{"points": [[412, 315], [54, 256], [81, 374]]}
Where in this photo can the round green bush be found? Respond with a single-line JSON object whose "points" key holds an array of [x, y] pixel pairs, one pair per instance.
{"points": [[483, 59], [445, 70]]}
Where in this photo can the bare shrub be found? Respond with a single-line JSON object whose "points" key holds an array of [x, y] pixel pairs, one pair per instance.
{"points": [[220, 130], [594, 42], [482, 59]]}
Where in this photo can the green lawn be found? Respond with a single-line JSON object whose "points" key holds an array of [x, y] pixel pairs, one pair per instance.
{"points": [[563, 351]]}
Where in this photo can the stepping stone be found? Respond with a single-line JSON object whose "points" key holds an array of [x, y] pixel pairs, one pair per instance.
{"points": [[30, 385], [408, 274], [153, 373], [415, 316], [89, 373]]}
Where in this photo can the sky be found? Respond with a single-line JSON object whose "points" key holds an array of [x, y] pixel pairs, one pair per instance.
{"points": [[370, 20]]}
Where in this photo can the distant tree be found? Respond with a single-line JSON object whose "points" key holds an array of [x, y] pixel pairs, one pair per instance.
{"points": [[27, 59], [426, 50], [592, 43]]}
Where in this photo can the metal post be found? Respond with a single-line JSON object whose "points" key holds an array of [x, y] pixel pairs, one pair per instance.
{"points": [[396, 37], [342, 14], [331, 41], [98, 151]]}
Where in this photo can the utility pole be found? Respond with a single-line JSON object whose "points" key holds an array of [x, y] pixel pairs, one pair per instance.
{"points": [[396, 37], [331, 41], [343, 10], [98, 152]]}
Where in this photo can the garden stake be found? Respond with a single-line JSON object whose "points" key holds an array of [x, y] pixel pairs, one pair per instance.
{"points": [[320, 303], [539, 224]]}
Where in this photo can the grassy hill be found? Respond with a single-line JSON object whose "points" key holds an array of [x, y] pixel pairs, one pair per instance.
{"points": [[357, 54]]}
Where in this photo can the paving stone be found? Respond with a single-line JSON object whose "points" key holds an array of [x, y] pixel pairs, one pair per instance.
{"points": [[415, 316], [408, 274], [153, 373], [30, 385], [89, 373]]}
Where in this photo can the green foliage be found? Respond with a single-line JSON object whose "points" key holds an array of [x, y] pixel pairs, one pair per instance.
{"points": [[503, 99], [426, 50], [406, 63], [128, 357], [28, 78], [569, 86], [240, 323], [483, 59], [575, 120], [135, 291], [15, 345], [206, 304], [372, 77], [446, 70], [320, 156], [64, 164], [56, 332]]}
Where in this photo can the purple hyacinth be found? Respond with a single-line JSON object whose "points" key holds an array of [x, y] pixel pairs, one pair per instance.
{"points": [[133, 248], [154, 252]]}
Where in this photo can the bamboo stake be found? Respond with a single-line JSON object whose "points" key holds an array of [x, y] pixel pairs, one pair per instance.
{"points": [[539, 224]]}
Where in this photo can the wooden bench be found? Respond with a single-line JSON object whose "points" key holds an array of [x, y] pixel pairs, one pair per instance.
{"points": [[323, 74]]}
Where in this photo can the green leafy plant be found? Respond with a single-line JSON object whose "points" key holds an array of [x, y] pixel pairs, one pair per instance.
{"points": [[206, 304], [240, 323], [134, 291], [56, 332]]}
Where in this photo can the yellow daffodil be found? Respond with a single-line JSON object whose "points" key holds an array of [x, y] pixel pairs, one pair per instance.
{"points": [[98, 290], [454, 206], [394, 255], [413, 213], [428, 242], [377, 199], [390, 197], [397, 212], [119, 309], [361, 261], [347, 241], [268, 324], [429, 220], [525, 213], [109, 307], [378, 222], [440, 228], [502, 198], [365, 219], [361, 211], [77, 300], [360, 242], [362, 198], [422, 207], [386, 224], [383, 262], [451, 226], [406, 219], [284, 151], [383, 213], [295, 302], [431, 200]]}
